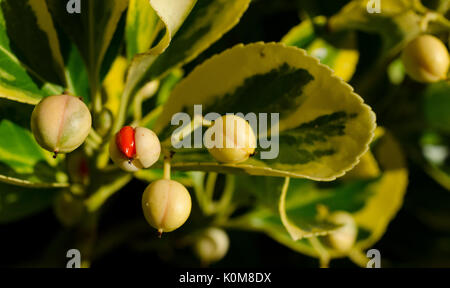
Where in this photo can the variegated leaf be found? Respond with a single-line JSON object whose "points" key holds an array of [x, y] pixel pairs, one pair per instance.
{"points": [[207, 22], [324, 126], [141, 27], [372, 202], [92, 30], [26, 29]]}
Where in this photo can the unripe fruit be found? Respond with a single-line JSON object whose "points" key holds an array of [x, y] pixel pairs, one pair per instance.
{"points": [[212, 245], [426, 59], [166, 205], [61, 123], [134, 148], [234, 139], [103, 122], [68, 209], [343, 238]]}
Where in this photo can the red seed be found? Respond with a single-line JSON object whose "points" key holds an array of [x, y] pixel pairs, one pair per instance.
{"points": [[125, 141]]}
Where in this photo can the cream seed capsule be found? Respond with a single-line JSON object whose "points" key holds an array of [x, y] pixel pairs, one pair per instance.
{"points": [[166, 205], [133, 149], [212, 245], [343, 238], [426, 59], [232, 139], [61, 123]]}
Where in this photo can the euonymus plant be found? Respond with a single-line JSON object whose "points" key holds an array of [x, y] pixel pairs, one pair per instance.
{"points": [[88, 100]]}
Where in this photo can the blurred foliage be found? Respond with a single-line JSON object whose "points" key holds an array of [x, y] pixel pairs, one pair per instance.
{"points": [[398, 194]]}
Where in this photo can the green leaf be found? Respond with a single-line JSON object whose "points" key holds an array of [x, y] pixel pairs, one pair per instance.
{"points": [[27, 29], [435, 141], [92, 30], [324, 126], [437, 106], [22, 161], [207, 22], [77, 77], [372, 202], [435, 156], [30, 28], [397, 23], [113, 84], [19, 202], [141, 27], [336, 50], [172, 14], [300, 226]]}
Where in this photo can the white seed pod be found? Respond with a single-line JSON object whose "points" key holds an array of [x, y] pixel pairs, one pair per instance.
{"points": [[147, 146], [212, 245], [343, 238], [166, 205], [61, 123], [426, 59], [232, 139]]}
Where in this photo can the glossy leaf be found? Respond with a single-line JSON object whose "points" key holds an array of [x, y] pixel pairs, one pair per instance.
{"points": [[172, 13], [114, 84], [207, 22], [77, 77], [27, 29], [22, 161], [92, 30], [338, 51], [141, 27], [398, 23], [372, 202], [324, 126]]}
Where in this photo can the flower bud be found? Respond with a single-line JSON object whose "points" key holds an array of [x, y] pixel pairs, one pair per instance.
{"points": [[61, 123], [426, 59], [166, 205]]}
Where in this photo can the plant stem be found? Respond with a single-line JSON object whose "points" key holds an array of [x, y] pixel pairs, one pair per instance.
{"points": [[358, 258], [322, 251], [210, 185], [121, 114], [198, 179], [167, 168], [224, 207], [96, 200]]}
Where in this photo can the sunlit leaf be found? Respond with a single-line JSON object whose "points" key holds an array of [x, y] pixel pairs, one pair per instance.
{"points": [[207, 22], [372, 202], [26, 29], [92, 30], [397, 23], [324, 126], [141, 26], [338, 51]]}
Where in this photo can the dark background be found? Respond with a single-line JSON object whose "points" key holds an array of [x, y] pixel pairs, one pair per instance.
{"points": [[419, 236]]}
